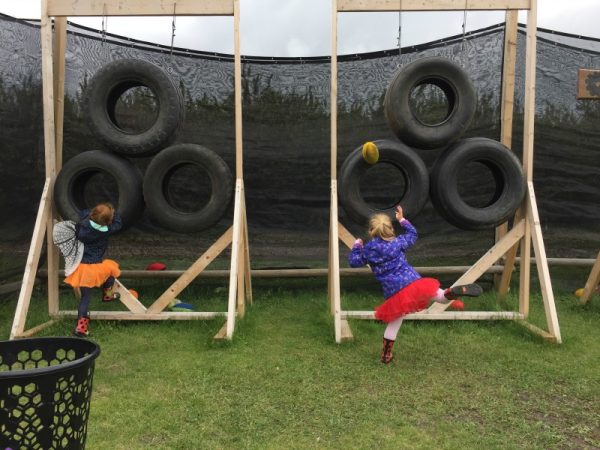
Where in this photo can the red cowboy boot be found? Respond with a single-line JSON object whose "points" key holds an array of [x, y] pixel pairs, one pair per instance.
{"points": [[386, 352]]}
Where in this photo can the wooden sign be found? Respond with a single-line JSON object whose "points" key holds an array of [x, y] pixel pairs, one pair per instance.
{"points": [[588, 84]]}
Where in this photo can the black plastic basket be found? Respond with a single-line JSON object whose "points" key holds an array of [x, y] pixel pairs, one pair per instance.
{"points": [[45, 392]]}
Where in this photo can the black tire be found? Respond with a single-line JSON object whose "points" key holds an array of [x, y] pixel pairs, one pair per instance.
{"points": [[76, 173], [397, 154], [105, 89], [460, 95], [506, 171], [156, 182]]}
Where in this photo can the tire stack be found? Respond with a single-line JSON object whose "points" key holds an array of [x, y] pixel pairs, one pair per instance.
{"points": [[442, 184], [134, 189]]}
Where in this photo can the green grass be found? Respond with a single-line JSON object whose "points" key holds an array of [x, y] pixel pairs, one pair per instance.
{"points": [[284, 383]]}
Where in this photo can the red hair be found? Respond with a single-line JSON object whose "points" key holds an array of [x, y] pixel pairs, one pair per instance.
{"points": [[103, 214]]}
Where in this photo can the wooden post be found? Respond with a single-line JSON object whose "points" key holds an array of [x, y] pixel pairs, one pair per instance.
{"points": [[528, 136], [33, 259], [508, 102]]}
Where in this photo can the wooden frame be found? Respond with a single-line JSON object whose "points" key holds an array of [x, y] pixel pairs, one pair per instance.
{"points": [[53, 79], [592, 282], [526, 229]]}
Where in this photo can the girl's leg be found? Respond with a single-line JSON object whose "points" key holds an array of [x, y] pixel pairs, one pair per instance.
{"points": [[389, 337], [81, 329], [84, 303], [107, 290], [391, 331]]}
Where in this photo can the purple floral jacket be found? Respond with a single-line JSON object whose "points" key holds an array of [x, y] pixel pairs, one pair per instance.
{"points": [[387, 260]]}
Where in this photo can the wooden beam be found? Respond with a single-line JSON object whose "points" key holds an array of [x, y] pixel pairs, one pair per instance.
{"points": [[235, 254], [345, 236], [128, 315], [192, 272], [52, 257], [60, 48], [346, 332], [542, 264], [592, 282], [484, 263], [447, 315], [495, 253], [335, 264], [247, 270], [237, 68], [76, 8], [222, 333], [319, 272], [508, 77], [35, 330], [333, 99], [430, 5], [528, 149], [536, 330], [510, 260], [506, 124], [127, 298], [33, 259]]}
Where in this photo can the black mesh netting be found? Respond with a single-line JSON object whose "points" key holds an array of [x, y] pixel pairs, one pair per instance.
{"points": [[286, 132]]}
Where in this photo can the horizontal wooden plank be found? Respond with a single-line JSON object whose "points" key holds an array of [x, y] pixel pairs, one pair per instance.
{"points": [[447, 315], [588, 84], [74, 8], [431, 5], [127, 315], [290, 273]]}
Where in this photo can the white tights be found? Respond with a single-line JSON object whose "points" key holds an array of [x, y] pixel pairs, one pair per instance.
{"points": [[391, 331]]}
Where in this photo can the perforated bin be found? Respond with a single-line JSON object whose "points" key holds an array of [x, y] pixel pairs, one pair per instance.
{"points": [[45, 392]]}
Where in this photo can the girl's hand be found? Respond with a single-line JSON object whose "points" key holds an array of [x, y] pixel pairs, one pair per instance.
{"points": [[399, 213], [358, 242]]}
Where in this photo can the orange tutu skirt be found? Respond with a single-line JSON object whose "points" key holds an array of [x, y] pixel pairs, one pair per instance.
{"points": [[93, 275], [412, 298]]}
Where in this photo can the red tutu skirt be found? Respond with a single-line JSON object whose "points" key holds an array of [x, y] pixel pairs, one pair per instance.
{"points": [[412, 298], [93, 275]]}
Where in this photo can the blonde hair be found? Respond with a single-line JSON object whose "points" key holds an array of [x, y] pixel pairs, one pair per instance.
{"points": [[103, 214], [380, 225]]}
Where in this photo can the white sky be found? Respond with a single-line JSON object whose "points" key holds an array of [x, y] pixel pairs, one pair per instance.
{"points": [[303, 27]]}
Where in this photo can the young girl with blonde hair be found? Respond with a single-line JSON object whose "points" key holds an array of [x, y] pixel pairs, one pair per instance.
{"points": [[404, 289]]}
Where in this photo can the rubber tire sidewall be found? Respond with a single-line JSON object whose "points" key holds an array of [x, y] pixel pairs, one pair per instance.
{"points": [[505, 167], [132, 72], [403, 122], [128, 178], [394, 153], [159, 207]]}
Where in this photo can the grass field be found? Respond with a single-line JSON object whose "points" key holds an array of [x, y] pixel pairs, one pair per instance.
{"points": [[283, 383]]}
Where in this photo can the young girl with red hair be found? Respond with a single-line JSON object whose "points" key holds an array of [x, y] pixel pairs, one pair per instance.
{"points": [[93, 230]]}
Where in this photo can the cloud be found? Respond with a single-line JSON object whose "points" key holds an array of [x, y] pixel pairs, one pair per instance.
{"points": [[303, 27]]}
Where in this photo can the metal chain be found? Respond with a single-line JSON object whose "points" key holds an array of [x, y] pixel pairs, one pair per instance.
{"points": [[464, 26], [399, 33], [173, 27], [104, 23]]}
